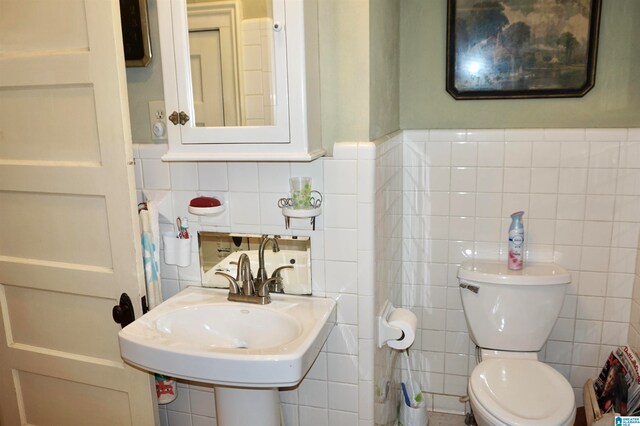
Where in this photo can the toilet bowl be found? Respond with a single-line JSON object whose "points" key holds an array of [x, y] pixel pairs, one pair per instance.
{"points": [[510, 315], [519, 392]]}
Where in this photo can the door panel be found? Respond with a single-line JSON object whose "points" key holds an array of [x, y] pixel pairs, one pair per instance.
{"points": [[28, 306], [70, 245], [40, 124], [102, 405]]}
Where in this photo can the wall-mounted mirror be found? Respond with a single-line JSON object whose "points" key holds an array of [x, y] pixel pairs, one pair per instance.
{"points": [[219, 252], [231, 56], [241, 79]]}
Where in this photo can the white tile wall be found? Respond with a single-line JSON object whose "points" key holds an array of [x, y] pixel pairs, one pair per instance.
{"points": [[257, 48], [339, 388], [579, 189], [387, 206], [400, 214]]}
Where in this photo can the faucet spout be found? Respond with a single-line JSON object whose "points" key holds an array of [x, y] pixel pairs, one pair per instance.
{"points": [[261, 276], [244, 275]]}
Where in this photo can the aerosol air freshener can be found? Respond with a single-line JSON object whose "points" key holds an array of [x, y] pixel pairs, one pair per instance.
{"points": [[516, 242]]}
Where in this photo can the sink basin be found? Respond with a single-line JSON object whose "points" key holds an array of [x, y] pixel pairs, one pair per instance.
{"points": [[227, 326], [199, 335]]}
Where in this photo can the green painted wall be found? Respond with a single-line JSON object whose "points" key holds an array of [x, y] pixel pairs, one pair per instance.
{"points": [[424, 103], [344, 71], [384, 67]]}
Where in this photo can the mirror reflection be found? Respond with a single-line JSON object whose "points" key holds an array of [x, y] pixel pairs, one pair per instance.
{"points": [[231, 47], [290, 260]]}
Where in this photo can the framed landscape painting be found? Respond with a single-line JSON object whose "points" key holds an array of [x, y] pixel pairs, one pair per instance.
{"points": [[499, 49]]}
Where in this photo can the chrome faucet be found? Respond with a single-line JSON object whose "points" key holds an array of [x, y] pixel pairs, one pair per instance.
{"points": [[243, 288], [262, 272], [275, 282]]}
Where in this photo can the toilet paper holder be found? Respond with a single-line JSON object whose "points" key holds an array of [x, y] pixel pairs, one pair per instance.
{"points": [[387, 332], [390, 334]]}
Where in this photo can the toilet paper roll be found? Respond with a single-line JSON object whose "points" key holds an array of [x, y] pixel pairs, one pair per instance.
{"points": [[406, 321]]}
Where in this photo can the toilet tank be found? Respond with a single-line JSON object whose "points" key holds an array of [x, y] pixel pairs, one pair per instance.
{"points": [[511, 310]]}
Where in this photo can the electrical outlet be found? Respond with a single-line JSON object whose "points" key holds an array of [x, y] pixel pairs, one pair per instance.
{"points": [[157, 120]]}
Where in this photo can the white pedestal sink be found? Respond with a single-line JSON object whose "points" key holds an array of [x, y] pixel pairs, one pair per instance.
{"points": [[249, 350]]}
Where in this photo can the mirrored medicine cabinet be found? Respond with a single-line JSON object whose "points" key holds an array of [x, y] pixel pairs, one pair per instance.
{"points": [[220, 251], [241, 79]]}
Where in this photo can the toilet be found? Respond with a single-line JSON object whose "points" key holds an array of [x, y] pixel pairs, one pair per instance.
{"points": [[510, 315]]}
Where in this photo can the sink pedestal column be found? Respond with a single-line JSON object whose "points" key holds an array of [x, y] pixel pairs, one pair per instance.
{"points": [[247, 406]]}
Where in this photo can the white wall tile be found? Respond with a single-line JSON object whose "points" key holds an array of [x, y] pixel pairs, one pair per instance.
{"points": [[545, 154], [243, 177], [463, 178], [244, 208], [184, 176], [274, 177], [340, 211], [212, 176], [602, 181], [447, 135], [340, 177], [436, 153], [630, 154], [572, 180], [544, 180], [574, 154], [588, 331], [517, 179], [491, 154], [564, 134], [489, 179], [604, 154], [517, 154], [313, 416], [464, 153], [313, 393], [590, 308], [155, 174], [599, 207], [341, 244]]}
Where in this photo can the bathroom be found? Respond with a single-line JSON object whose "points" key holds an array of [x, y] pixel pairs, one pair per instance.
{"points": [[415, 183]]}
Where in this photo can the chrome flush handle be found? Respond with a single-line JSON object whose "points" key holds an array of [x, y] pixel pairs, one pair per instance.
{"points": [[471, 287]]}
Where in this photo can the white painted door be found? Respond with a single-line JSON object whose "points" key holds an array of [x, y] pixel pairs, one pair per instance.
{"points": [[206, 78], [69, 238]]}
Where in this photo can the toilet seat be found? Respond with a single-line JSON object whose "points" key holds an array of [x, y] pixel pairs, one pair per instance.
{"points": [[520, 392]]}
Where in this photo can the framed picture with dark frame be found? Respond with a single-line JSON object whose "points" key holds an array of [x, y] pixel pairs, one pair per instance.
{"points": [[505, 49], [135, 32]]}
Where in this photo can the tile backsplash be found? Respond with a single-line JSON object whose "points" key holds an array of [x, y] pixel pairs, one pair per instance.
{"points": [[399, 215]]}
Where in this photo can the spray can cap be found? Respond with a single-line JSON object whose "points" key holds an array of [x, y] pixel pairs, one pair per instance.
{"points": [[517, 215]]}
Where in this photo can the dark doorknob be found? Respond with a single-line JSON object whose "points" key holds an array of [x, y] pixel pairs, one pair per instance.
{"points": [[123, 313]]}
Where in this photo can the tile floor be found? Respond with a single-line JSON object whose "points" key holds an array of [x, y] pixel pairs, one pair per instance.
{"points": [[444, 419]]}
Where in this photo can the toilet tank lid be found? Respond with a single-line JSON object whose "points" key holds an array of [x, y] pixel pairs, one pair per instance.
{"points": [[492, 272]]}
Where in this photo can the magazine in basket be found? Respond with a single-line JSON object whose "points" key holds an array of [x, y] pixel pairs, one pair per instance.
{"points": [[617, 388]]}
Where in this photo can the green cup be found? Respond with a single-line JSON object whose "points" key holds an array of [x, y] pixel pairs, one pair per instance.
{"points": [[300, 192]]}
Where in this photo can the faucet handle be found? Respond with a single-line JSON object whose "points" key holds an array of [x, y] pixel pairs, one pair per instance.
{"points": [[275, 282], [263, 289], [234, 288], [276, 272]]}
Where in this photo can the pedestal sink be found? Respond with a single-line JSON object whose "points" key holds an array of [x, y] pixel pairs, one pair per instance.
{"points": [[246, 350]]}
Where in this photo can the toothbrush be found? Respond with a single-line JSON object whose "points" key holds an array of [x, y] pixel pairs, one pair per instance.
{"points": [[406, 395]]}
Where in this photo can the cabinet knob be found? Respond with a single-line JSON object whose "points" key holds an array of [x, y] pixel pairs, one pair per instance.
{"points": [[277, 26]]}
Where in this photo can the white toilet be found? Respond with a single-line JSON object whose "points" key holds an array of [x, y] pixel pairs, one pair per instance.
{"points": [[510, 315]]}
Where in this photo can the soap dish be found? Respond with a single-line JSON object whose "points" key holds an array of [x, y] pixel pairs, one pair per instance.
{"points": [[206, 211]]}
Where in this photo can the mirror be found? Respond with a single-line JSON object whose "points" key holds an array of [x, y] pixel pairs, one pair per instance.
{"points": [[219, 252], [231, 47]]}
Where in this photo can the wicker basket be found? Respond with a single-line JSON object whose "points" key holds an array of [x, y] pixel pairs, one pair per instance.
{"points": [[591, 409]]}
